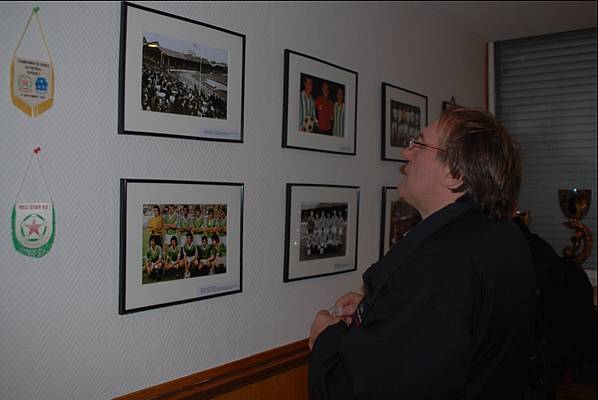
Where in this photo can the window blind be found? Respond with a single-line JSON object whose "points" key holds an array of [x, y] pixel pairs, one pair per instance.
{"points": [[545, 95]]}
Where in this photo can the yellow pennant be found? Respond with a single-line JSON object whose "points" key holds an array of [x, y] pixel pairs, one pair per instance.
{"points": [[32, 81]]}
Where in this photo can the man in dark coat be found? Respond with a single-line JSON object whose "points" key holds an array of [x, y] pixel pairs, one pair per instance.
{"points": [[448, 313]]}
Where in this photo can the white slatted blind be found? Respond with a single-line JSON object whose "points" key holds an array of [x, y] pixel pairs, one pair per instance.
{"points": [[545, 92]]}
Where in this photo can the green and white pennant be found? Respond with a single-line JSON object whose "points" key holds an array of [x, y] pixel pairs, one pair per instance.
{"points": [[33, 228], [33, 223]]}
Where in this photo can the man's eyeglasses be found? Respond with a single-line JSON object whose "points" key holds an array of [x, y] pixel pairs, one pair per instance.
{"points": [[416, 143]]}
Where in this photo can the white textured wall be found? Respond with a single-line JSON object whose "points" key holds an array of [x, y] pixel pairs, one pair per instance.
{"points": [[60, 333]]}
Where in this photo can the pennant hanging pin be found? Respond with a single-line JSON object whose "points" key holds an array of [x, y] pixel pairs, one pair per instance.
{"points": [[33, 223], [32, 81]]}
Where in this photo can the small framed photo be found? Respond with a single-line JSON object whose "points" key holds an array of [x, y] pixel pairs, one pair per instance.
{"points": [[449, 104], [404, 115], [321, 230], [320, 105], [179, 77], [398, 218], [180, 241]]}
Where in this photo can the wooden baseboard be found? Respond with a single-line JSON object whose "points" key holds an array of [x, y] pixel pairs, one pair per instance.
{"points": [[569, 389], [229, 377]]}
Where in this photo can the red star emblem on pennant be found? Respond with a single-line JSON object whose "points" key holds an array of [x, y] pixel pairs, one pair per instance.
{"points": [[33, 227]]}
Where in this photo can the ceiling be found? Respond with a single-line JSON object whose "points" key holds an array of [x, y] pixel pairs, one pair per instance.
{"points": [[493, 21]]}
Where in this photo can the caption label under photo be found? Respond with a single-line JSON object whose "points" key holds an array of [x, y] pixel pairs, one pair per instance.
{"points": [[220, 134], [223, 287]]}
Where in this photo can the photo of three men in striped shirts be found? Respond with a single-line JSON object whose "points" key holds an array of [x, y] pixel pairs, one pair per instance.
{"points": [[322, 106]]}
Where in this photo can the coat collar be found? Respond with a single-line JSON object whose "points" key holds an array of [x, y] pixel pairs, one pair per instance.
{"points": [[379, 273]]}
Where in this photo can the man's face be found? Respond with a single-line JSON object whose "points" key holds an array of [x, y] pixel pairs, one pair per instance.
{"points": [[423, 172], [340, 96], [189, 240], [308, 86], [325, 90]]}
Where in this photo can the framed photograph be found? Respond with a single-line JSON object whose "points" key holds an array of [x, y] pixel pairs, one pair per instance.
{"points": [[179, 77], [398, 218], [321, 230], [180, 241], [404, 115], [320, 105]]}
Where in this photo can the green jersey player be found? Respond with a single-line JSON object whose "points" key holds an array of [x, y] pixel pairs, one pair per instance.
{"points": [[218, 258], [170, 224], [190, 255], [205, 252], [153, 257], [174, 264]]}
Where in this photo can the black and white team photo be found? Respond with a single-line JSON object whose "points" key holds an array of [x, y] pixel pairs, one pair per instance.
{"points": [[323, 230], [405, 123], [185, 78]]}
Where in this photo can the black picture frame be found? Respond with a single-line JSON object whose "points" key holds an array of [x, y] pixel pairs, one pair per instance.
{"points": [[152, 275], [164, 89], [404, 115], [316, 246], [330, 121], [398, 218]]}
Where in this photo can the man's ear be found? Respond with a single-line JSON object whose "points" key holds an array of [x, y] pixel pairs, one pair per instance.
{"points": [[449, 181]]}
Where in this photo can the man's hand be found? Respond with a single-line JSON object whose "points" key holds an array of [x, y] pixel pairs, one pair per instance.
{"points": [[349, 303], [322, 320]]}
